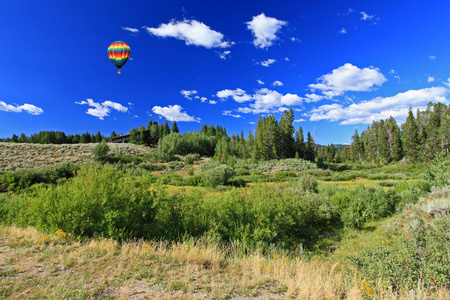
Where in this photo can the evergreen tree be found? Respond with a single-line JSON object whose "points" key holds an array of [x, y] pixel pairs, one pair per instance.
{"points": [[175, 127], [310, 148], [23, 138], [204, 129], [383, 142], [113, 134], [286, 143], [356, 147], [166, 129], [410, 139], [395, 145], [300, 143]]}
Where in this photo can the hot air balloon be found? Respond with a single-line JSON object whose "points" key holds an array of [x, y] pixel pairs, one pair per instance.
{"points": [[119, 53]]}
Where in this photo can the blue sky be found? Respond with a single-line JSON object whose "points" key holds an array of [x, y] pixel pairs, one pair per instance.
{"points": [[338, 64]]}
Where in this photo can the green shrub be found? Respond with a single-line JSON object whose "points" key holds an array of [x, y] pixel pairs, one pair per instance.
{"points": [[241, 172], [190, 158], [419, 260], [22, 179], [237, 181], [219, 175], [148, 166], [99, 201], [307, 183], [171, 179], [279, 175], [101, 150]]}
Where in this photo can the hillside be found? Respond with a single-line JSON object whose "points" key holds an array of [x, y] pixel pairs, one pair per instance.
{"points": [[16, 156]]}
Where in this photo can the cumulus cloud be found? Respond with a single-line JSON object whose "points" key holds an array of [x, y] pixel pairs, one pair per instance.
{"points": [[238, 95], [430, 79], [268, 62], [264, 30], [174, 113], [192, 32], [228, 113], [366, 16], [29, 108], [380, 108], [101, 110], [269, 101], [348, 78], [188, 93], [132, 30], [277, 83]]}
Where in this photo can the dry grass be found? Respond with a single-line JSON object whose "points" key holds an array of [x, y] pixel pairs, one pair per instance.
{"points": [[36, 265]]}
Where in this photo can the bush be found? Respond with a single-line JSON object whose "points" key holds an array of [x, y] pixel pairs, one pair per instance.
{"points": [[101, 150], [99, 201], [219, 175], [22, 179], [148, 166], [190, 158], [419, 260], [307, 183]]}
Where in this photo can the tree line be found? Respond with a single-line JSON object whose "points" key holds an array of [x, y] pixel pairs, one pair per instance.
{"points": [[419, 138]]}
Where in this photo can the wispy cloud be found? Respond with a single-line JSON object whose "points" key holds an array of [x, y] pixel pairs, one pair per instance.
{"points": [[366, 16], [380, 108], [348, 78], [174, 113], [264, 30], [228, 113], [268, 62], [432, 57], [192, 32], [343, 31], [277, 83], [223, 55], [430, 79], [132, 30], [188, 93], [101, 110], [260, 82], [29, 108]]}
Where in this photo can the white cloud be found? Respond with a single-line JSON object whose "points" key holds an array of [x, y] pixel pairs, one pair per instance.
{"points": [[174, 113], [380, 108], [260, 82], [223, 55], [268, 62], [253, 123], [343, 31], [132, 30], [101, 110], [277, 83], [365, 16], [267, 101], [300, 120], [29, 108], [394, 74], [238, 95], [212, 102], [286, 59], [264, 30], [348, 78], [192, 32], [228, 113], [432, 57], [313, 98], [430, 79], [188, 93]]}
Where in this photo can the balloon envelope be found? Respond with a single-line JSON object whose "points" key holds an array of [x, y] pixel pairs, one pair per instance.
{"points": [[119, 53]]}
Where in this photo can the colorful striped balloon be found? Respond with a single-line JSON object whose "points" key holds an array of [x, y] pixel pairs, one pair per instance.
{"points": [[119, 53]]}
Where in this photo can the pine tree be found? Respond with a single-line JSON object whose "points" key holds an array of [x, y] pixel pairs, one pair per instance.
{"points": [[175, 127], [300, 143], [286, 135], [166, 129], [383, 142], [356, 147], [395, 146], [410, 138], [310, 148]]}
